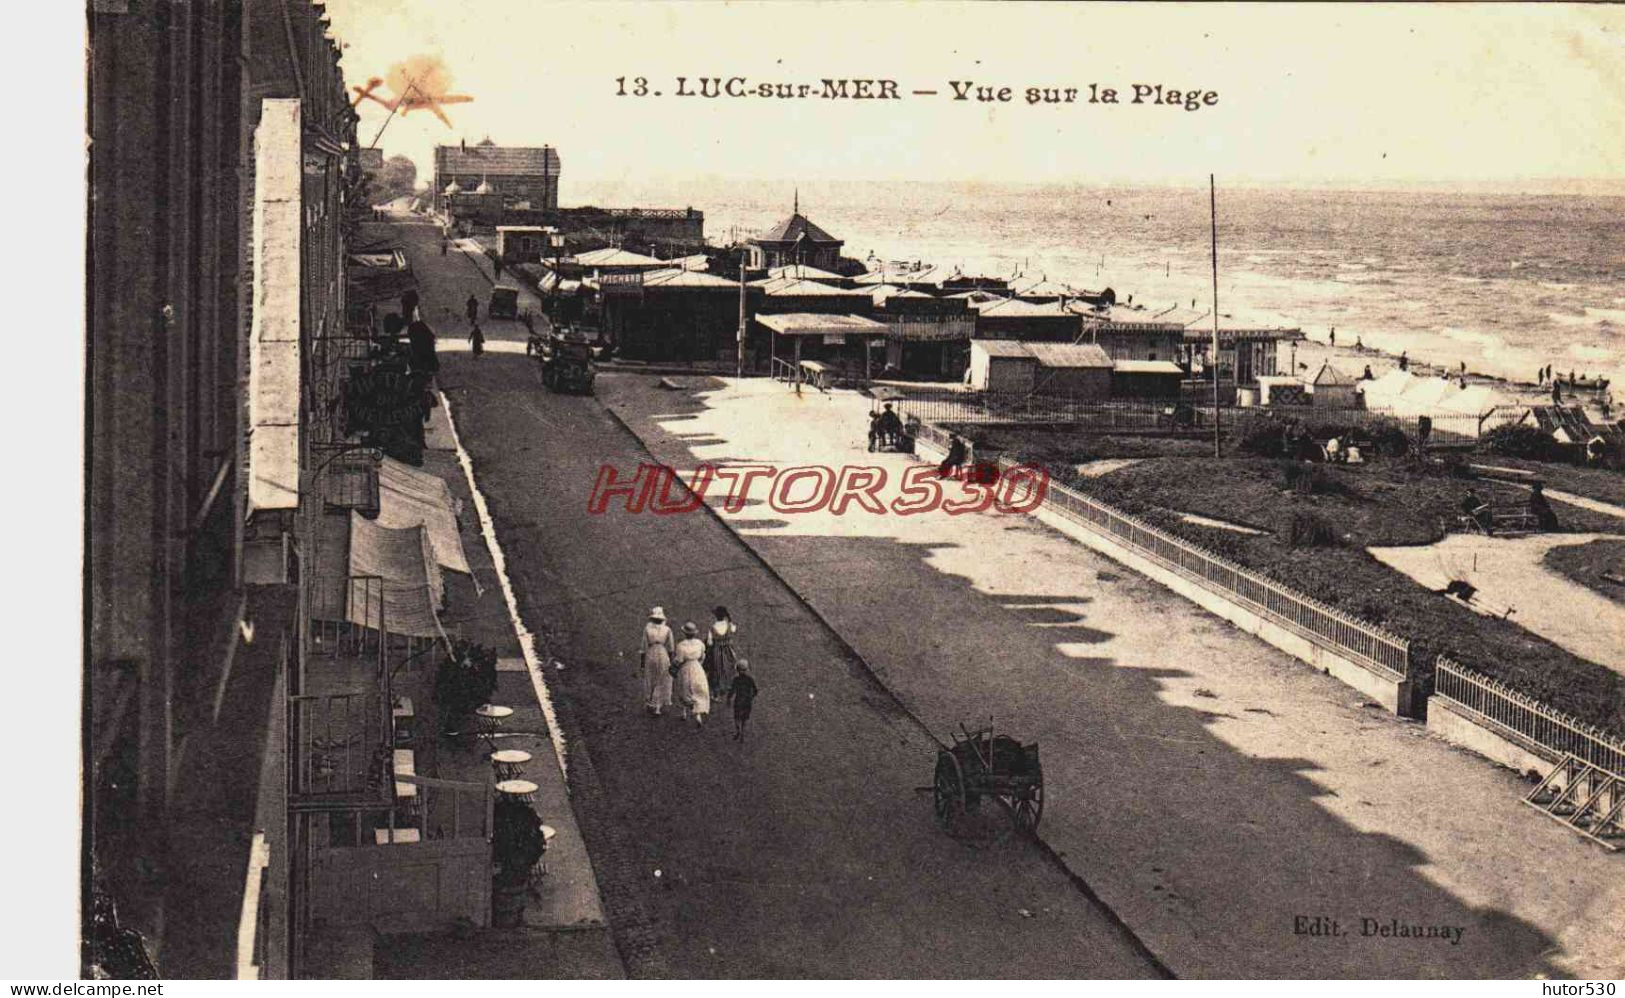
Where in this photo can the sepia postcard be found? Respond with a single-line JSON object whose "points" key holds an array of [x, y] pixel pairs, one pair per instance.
{"points": [[833, 490]]}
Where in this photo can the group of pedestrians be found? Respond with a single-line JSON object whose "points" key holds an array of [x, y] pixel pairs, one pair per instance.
{"points": [[692, 671]]}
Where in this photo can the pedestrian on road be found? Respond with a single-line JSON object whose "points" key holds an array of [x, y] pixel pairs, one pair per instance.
{"points": [[476, 338], [693, 691], [421, 348], [445, 244], [874, 432], [472, 308], [654, 654], [744, 696], [496, 265], [720, 653]]}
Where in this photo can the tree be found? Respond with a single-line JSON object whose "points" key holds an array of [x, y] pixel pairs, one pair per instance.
{"points": [[398, 177]]}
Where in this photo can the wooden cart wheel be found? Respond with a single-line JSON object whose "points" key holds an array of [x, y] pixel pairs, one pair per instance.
{"points": [[948, 788], [1025, 811]]}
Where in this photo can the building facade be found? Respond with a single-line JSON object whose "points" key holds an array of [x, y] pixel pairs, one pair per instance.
{"points": [[210, 124], [796, 240], [524, 176]]}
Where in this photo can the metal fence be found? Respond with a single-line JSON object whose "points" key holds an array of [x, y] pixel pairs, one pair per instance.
{"points": [[1523, 715], [1128, 416], [1367, 644], [936, 404]]}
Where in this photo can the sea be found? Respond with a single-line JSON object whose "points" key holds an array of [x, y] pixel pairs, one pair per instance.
{"points": [[1503, 283]]}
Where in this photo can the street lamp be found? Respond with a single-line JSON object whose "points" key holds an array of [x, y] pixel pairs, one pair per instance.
{"points": [[555, 242]]}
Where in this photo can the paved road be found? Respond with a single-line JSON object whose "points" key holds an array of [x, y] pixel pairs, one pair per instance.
{"points": [[803, 852]]}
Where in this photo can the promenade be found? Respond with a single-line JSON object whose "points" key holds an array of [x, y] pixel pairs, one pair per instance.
{"points": [[1215, 792]]}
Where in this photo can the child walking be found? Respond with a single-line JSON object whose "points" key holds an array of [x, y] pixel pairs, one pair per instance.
{"points": [[744, 695]]}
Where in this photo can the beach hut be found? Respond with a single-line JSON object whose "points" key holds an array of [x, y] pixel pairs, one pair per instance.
{"points": [[1075, 370], [1002, 366], [1332, 389], [1146, 379], [1282, 389]]}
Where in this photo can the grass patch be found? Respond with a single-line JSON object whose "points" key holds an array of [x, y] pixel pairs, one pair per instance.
{"points": [[1316, 540], [1588, 563], [1058, 446]]}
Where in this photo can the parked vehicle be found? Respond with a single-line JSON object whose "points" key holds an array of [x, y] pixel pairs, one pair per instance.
{"points": [[566, 363], [504, 303]]}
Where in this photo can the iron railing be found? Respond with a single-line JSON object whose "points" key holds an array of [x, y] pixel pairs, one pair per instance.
{"points": [[341, 743], [936, 404], [1367, 644], [1504, 707]]}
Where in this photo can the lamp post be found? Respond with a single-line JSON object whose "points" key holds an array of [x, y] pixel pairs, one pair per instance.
{"points": [[555, 242], [739, 347]]}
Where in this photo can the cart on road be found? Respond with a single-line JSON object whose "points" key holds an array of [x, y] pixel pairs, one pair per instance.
{"points": [[981, 765]]}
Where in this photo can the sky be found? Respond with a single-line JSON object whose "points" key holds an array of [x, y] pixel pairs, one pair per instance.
{"points": [[1505, 96]]}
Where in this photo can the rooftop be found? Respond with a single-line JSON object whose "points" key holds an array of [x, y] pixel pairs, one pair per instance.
{"points": [[819, 324], [797, 226], [497, 161], [1069, 355], [802, 271]]}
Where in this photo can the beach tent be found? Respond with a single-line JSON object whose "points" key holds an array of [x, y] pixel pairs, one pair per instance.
{"points": [[1380, 393], [1422, 397], [1475, 400]]}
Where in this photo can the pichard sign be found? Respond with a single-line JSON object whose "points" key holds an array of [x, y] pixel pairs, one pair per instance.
{"points": [[622, 284]]}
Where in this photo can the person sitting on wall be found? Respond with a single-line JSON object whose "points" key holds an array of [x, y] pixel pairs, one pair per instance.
{"points": [[957, 452], [891, 427], [1541, 509]]}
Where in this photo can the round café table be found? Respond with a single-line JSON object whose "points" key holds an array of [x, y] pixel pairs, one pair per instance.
{"points": [[522, 789], [488, 720], [509, 764]]}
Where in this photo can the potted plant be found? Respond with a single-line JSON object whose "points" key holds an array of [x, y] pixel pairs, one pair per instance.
{"points": [[465, 679], [517, 845]]}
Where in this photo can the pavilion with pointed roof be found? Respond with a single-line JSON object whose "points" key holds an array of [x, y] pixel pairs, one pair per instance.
{"points": [[795, 241]]}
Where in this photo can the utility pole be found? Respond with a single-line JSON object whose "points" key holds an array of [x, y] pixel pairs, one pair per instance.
{"points": [[1213, 218], [739, 359]]}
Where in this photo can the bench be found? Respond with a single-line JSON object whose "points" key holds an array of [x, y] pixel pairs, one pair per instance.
{"points": [[1504, 519], [404, 717], [404, 765]]}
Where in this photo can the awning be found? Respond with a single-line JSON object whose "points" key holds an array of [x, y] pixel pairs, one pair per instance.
{"points": [[408, 498], [818, 324], [412, 588], [273, 347], [1147, 367]]}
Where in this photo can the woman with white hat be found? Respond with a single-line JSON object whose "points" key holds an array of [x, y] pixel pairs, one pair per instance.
{"points": [[655, 654], [693, 691]]}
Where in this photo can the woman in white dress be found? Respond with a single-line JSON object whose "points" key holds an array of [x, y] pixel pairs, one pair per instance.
{"points": [[693, 692], [655, 653]]}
